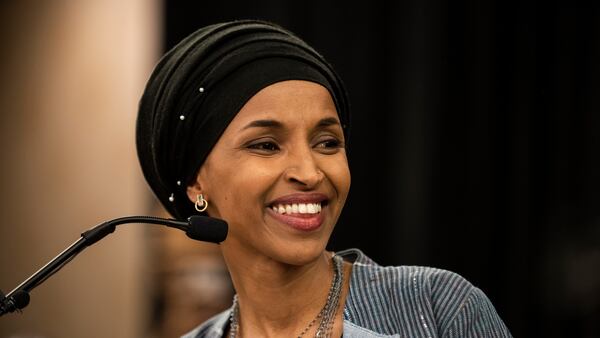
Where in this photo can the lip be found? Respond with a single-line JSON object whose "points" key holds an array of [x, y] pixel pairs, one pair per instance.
{"points": [[302, 222]]}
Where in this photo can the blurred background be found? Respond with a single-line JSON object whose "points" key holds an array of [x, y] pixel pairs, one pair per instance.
{"points": [[475, 148]]}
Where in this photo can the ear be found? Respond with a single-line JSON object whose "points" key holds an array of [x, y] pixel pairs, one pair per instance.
{"points": [[194, 190]]}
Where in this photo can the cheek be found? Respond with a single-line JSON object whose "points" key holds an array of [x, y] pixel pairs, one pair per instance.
{"points": [[339, 175], [240, 190]]}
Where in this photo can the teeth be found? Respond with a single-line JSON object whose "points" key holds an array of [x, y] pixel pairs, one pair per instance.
{"points": [[302, 208], [298, 208]]}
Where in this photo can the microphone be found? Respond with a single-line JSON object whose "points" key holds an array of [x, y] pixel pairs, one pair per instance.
{"points": [[201, 228], [207, 229]]}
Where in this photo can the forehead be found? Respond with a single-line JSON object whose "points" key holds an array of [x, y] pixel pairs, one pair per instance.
{"points": [[292, 100]]}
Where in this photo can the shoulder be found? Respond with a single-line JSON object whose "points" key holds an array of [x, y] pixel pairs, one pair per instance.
{"points": [[434, 281], [412, 289], [212, 328], [411, 299]]}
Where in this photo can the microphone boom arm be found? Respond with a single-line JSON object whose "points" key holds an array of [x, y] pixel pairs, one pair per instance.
{"points": [[18, 298]]}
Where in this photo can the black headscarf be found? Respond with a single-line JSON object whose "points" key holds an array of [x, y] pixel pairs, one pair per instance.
{"points": [[199, 86]]}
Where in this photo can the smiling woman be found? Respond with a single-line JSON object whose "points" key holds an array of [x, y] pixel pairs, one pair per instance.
{"points": [[246, 122]]}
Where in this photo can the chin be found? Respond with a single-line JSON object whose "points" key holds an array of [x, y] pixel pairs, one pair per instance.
{"points": [[301, 253]]}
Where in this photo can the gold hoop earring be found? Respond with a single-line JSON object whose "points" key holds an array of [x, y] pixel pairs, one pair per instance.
{"points": [[201, 204]]}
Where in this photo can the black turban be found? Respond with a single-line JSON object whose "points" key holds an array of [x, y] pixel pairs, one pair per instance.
{"points": [[199, 86]]}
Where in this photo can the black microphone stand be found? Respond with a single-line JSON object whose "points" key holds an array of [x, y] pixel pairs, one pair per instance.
{"points": [[18, 298]]}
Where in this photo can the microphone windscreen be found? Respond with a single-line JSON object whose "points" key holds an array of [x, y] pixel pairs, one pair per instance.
{"points": [[207, 229]]}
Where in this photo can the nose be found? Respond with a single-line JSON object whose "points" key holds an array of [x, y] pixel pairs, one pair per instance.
{"points": [[303, 169]]}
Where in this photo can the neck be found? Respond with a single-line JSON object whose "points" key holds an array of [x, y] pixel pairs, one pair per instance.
{"points": [[277, 299]]}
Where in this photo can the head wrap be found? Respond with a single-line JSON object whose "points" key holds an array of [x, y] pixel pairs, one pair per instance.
{"points": [[199, 86]]}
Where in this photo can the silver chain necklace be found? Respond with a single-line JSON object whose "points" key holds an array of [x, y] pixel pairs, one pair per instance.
{"points": [[326, 316]]}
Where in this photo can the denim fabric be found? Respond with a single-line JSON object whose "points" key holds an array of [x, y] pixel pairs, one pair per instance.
{"points": [[402, 301]]}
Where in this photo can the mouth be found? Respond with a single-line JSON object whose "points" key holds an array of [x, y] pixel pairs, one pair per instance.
{"points": [[300, 211]]}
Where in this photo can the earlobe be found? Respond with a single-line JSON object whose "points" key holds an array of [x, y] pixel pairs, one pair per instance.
{"points": [[193, 191]]}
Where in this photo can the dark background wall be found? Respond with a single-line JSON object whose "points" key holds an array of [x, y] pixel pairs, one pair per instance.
{"points": [[475, 141]]}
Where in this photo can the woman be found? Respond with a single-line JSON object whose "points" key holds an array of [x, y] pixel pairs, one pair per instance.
{"points": [[246, 122]]}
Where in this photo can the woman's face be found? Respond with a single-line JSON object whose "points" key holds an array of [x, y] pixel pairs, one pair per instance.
{"points": [[279, 174]]}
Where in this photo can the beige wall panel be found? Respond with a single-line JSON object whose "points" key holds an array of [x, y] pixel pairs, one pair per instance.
{"points": [[71, 76]]}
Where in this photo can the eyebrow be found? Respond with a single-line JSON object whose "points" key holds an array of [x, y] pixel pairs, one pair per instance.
{"points": [[264, 124], [326, 122]]}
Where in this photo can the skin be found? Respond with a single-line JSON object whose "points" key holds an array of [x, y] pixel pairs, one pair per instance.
{"points": [[281, 274]]}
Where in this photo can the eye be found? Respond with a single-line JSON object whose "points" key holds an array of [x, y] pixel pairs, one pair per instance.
{"points": [[329, 145], [266, 147]]}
